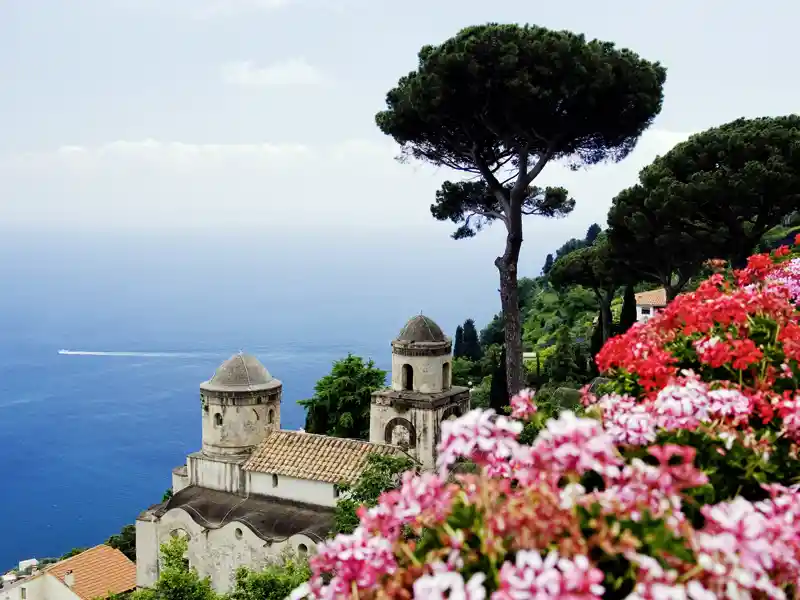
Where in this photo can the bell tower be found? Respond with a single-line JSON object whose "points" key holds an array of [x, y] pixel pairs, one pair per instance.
{"points": [[410, 412]]}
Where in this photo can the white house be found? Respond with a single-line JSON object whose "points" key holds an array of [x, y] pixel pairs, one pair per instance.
{"points": [[95, 573], [255, 489], [25, 565], [647, 303]]}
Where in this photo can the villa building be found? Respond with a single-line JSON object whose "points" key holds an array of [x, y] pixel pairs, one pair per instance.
{"points": [[93, 574], [649, 302], [255, 489]]}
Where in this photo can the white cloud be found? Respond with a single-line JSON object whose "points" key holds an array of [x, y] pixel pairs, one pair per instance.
{"points": [[293, 189], [291, 72]]}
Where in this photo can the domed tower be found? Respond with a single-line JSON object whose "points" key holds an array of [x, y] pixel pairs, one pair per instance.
{"points": [[241, 403], [421, 396]]}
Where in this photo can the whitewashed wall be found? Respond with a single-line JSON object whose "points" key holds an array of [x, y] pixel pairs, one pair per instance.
{"points": [[291, 488], [216, 474], [641, 311], [40, 587]]}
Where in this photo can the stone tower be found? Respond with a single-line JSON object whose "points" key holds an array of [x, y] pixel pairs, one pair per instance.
{"points": [[241, 403], [411, 411]]}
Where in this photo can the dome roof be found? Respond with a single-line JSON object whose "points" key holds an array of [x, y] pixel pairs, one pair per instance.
{"points": [[421, 329], [241, 372]]}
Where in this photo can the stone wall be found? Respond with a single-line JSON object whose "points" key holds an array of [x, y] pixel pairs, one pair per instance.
{"points": [[214, 553]]}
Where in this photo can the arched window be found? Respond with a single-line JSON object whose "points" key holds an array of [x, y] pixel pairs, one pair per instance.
{"points": [[274, 481], [408, 377], [238, 533], [302, 549], [218, 419], [445, 375], [271, 416]]}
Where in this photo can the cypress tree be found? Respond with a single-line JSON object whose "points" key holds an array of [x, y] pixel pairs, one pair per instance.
{"points": [[471, 345], [628, 316], [548, 264], [498, 392], [458, 343], [592, 233]]}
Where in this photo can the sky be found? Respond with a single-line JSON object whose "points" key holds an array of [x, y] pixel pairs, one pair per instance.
{"points": [[256, 117]]}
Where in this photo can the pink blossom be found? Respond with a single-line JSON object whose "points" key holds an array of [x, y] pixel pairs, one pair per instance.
{"points": [[787, 275], [728, 403], [444, 584], [682, 405], [523, 405], [576, 445], [481, 436], [359, 560], [628, 422], [553, 577], [738, 548], [425, 495], [790, 410]]}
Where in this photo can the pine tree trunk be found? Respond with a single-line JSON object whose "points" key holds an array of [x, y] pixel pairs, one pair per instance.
{"points": [[509, 301]]}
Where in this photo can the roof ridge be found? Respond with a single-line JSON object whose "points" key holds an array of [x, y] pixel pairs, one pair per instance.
{"points": [[328, 437], [246, 370]]}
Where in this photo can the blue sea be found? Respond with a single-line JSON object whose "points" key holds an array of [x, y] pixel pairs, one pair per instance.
{"points": [[89, 441]]}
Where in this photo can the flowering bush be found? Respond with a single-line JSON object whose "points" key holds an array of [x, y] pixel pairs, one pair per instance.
{"points": [[718, 370], [676, 484]]}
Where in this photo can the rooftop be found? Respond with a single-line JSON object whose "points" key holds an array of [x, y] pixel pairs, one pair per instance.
{"points": [[315, 457], [652, 298], [421, 329], [241, 372], [271, 519], [97, 572]]}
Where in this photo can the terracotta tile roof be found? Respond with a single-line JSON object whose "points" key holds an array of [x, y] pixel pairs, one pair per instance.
{"points": [[97, 572], [316, 457], [652, 298]]}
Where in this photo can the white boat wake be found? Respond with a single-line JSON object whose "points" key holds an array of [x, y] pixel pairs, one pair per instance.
{"points": [[136, 354]]}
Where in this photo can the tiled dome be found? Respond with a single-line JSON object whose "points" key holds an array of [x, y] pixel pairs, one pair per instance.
{"points": [[241, 372], [421, 329]]}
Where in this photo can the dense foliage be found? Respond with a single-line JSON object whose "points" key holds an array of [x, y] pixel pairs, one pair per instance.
{"points": [[381, 474], [501, 102], [680, 488], [341, 401], [178, 581], [275, 582], [125, 541]]}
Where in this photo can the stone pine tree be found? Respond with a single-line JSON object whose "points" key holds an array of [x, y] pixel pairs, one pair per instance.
{"points": [[653, 242], [742, 178], [595, 267], [548, 264], [592, 233], [458, 343], [500, 102]]}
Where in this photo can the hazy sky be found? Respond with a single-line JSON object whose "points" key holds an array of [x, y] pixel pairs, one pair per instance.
{"points": [[259, 114]]}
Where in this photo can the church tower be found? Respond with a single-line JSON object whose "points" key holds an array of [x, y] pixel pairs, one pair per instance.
{"points": [[241, 403], [411, 411]]}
